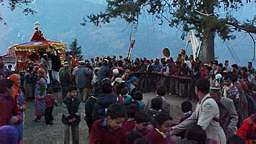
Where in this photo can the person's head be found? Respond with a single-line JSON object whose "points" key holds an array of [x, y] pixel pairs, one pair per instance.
{"points": [[202, 87], [226, 62], [137, 95], [142, 121], [134, 80], [107, 88], [161, 91], [186, 106], [249, 64], [124, 91], [163, 122], [116, 116], [15, 78], [105, 62], [8, 135], [157, 61], [219, 66], [218, 78], [72, 91], [156, 103], [215, 92], [234, 68]]}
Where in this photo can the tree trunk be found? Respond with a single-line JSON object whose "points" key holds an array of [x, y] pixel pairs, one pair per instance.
{"points": [[207, 50]]}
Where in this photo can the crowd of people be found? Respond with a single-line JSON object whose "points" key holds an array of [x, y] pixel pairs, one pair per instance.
{"points": [[115, 110]]}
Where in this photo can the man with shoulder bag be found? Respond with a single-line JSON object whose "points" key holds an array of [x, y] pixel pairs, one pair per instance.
{"points": [[204, 117]]}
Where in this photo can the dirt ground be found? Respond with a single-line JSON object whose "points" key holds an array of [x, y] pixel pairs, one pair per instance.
{"points": [[40, 133]]}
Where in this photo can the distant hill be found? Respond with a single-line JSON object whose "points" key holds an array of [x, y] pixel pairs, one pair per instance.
{"points": [[60, 20]]}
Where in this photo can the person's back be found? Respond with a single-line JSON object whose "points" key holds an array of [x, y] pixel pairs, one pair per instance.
{"points": [[103, 102], [155, 108], [228, 116], [65, 76], [103, 72], [83, 77], [161, 93]]}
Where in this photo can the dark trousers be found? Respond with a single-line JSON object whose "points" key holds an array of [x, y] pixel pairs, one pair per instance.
{"points": [[89, 124], [48, 115], [71, 131]]}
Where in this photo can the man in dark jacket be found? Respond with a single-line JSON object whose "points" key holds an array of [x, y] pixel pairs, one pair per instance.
{"points": [[65, 79], [56, 65], [71, 116], [96, 106], [83, 78], [228, 114], [104, 71]]}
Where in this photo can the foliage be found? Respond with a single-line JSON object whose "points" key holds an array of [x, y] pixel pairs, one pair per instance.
{"points": [[13, 4], [199, 15], [76, 50]]}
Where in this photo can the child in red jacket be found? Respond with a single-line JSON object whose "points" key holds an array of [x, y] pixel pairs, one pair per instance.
{"points": [[247, 131], [129, 124], [50, 102], [109, 130], [160, 133], [141, 127]]}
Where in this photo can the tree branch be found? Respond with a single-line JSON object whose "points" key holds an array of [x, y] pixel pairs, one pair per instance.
{"points": [[245, 27], [254, 45]]}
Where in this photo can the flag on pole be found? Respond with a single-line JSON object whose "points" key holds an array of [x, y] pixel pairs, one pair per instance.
{"points": [[131, 46]]}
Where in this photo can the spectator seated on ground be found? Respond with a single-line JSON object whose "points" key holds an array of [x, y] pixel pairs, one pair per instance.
{"points": [[186, 108]]}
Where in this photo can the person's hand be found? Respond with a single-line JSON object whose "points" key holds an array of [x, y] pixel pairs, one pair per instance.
{"points": [[14, 120], [71, 120]]}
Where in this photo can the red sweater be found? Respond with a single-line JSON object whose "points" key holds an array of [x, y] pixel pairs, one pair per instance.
{"points": [[247, 130], [154, 137], [49, 100], [8, 108], [101, 134], [128, 126]]}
